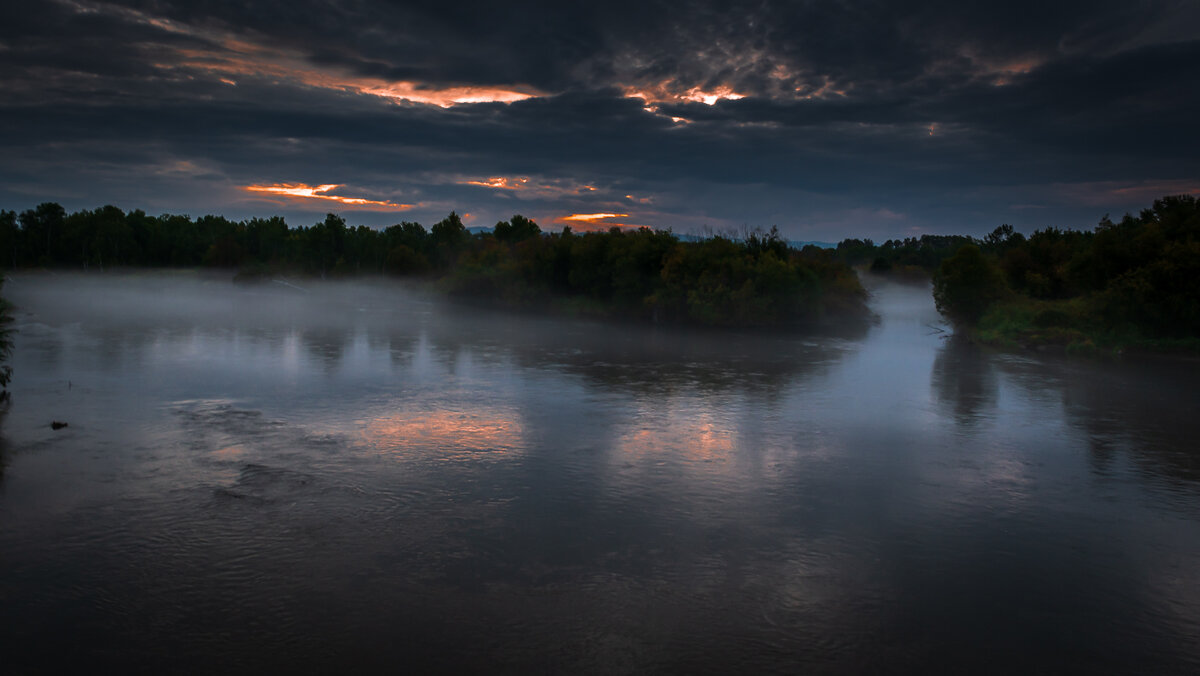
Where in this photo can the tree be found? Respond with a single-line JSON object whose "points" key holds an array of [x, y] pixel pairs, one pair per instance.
{"points": [[266, 239], [449, 232], [1000, 236], [516, 229], [965, 286], [10, 237], [41, 226], [448, 236]]}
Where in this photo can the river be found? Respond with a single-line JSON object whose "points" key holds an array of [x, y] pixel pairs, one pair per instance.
{"points": [[354, 476]]}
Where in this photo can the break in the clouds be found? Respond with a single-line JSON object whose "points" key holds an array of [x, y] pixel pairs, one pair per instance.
{"points": [[286, 193], [829, 120]]}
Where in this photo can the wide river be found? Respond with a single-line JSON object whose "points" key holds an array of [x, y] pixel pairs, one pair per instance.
{"points": [[354, 477]]}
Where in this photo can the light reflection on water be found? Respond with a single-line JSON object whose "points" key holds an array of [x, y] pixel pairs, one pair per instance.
{"points": [[261, 479]]}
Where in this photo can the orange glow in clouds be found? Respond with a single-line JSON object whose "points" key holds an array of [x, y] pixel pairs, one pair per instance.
{"points": [[321, 192], [592, 218], [664, 93], [592, 222], [710, 98], [545, 188], [232, 58], [500, 182], [444, 98]]}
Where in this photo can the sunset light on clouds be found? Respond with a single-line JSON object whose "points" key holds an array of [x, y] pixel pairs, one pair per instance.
{"points": [[726, 336], [665, 94], [598, 221], [444, 98], [591, 218], [230, 57], [299, 191], [237, 60], [500, 183], [729, 115]]}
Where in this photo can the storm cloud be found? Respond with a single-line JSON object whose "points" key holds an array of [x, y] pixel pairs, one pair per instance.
{"points": [[830, 120]]}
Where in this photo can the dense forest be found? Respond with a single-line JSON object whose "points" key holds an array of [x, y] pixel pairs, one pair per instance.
{"points": [[1133, 283], [753, 280], [1127, 283], [915, 257]]}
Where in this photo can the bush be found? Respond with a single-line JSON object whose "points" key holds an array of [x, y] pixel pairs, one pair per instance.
{"points": [[965, 286]]}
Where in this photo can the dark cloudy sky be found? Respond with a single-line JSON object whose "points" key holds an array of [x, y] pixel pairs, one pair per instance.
{"points": [[828, 119]]}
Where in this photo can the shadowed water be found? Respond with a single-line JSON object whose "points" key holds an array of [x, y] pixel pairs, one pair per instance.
{"points": [[353, 476]]}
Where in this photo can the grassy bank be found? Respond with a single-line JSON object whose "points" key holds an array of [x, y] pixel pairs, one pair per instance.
{"points": [[1127, 286], [1074, 326]]}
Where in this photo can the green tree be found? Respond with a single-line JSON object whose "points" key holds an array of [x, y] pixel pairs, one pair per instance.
{"points": [[1000, 235], [966, 284], [10, 238], [447, 237], [266, 239], [41, 226], [516, 229], [407, 245], [449, 232]]}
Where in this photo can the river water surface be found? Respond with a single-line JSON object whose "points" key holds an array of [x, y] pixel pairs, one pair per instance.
{"points": [[356, 477]]}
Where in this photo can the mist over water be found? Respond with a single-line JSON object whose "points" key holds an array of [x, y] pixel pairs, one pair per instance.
{"points": [[354, 475]]}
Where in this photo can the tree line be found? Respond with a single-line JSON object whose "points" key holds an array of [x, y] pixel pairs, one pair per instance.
{"points": [[1132, 282], [918, 256], [48, 236], [753, 280], [1122, 282]]}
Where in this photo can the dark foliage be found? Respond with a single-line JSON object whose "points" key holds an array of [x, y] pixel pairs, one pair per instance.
{"points": [[1137, 277], [647, 274], [966, 284], [924, 253], [643, 274]]}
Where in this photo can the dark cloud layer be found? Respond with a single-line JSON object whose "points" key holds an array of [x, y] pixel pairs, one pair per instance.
{"points": [[829, 119]]}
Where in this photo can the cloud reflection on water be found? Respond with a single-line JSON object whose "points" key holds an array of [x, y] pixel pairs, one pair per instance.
{"points": [[352, 463], [444, 433]]}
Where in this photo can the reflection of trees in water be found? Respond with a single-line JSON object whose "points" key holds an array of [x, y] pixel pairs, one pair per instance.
{"points": [[3, 440], [1145, 408], [270, 338], [5, 403], [326, 344], [964, 379], [628, 357], [447, 350], [41, 345], [1151, 412], [114, 343], [399, 342]]}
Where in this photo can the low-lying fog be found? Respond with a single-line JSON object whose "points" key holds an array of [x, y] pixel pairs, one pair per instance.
{"points": [[319, 475]]}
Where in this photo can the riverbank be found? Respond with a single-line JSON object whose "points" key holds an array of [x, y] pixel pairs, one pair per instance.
{"points": [[1070, 326]]}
